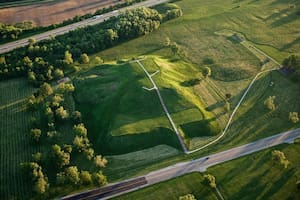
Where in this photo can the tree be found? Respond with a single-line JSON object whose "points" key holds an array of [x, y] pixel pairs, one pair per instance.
{"points": [[76, 116], [66, 88], [269, 103], [36, 134], [41, 185], [2, 61], [89, 153], [279, 157], [100, 161], [85, 177], [228, 96], [68, 58], [210, 180], [98, 60], [56, 100], [72, 174], [81, 143], [58, 73], [31, 41], [60, 156], [45, 90], [293, 116], [84, 58], [80, 130], [187, 197], [31, 77], [61, 113], [206, 72], [99, 179]]}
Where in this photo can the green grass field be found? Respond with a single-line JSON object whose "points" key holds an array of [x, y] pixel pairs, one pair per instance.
{"points": [[251, 177], [127, 123], [123, 117], [15, 144]]}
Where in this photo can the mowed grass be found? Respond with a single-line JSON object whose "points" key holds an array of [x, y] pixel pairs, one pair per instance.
{"points": [[136, 112], [254, 176], [15, 144], [254, 121], [122, 116], [173, 189], [233, 65]]}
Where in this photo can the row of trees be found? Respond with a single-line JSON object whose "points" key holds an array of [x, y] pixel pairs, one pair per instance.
{"points": [[10, 32], [13, 31], [46, 60]]}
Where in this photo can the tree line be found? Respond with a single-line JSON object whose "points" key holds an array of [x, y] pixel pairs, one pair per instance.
{"points": [[9, 32], [40, 61]]}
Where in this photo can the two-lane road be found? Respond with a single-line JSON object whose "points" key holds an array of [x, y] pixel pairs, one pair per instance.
{"points": [[179, 169], [62, 30]]}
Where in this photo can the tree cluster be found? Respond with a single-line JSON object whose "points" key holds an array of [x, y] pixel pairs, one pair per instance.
{"points": [[12, 31], [279, 157], [46, 60], [54, 114], [292, 65], [34, 172]]}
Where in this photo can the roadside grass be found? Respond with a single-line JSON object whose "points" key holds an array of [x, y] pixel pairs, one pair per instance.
{"points": [[254, 121], [15, 144], [254, 176], [173, 189]]}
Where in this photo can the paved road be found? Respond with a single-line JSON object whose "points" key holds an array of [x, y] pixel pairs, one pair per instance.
{"points": [[62, 30], [164, 107], [179, 169]]}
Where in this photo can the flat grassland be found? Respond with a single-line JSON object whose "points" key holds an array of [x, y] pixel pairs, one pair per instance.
{"points": [[52, 12], [254, 176]]}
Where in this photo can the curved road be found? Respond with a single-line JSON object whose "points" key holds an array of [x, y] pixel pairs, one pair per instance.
{"points": [[198, 165], [62, 30]]}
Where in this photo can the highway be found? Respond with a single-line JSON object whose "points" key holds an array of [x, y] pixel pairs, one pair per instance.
{"points": [[198, 165], [65, 29]]}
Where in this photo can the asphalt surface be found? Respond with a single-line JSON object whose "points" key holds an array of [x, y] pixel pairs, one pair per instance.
{"points": [[65, 29], [198, 165], [164, 106]]}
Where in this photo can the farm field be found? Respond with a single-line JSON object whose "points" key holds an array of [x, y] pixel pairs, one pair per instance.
{"points": [[255, 175], [14, 128], [49, 13]]}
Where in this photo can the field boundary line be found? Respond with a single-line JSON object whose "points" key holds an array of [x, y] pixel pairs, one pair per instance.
{"points": [[164, 106]]}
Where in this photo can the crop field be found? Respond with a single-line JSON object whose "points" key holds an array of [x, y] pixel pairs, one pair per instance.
{"points": [[51, 12], [255, 175], [15, 144]]}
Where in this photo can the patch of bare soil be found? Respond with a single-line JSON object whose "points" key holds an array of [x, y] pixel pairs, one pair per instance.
{"points": [[53, 12]]}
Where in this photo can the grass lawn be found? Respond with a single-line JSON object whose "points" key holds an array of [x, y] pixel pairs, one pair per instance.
{"points": [[254, 176]]}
